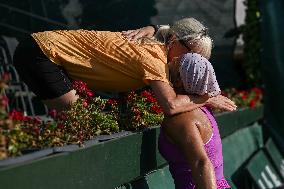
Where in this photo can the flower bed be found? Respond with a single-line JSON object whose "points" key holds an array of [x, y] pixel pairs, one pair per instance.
{"points": [[245, 98], [91, 119], [89, 116]]}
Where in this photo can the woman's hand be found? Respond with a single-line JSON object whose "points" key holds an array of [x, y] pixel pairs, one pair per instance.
{"points": [[133, 35], [221, 102]]}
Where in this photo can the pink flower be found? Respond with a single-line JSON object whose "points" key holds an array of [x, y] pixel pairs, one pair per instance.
{"points": [[85, 104], [90, 94]]}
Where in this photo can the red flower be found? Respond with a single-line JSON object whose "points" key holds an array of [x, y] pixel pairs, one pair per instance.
{"points": [[131, 95], [37, 120], [146, 94], [149, 96], [156, 109], [52, 113], [6, 76], [243, 95], [111, 102], [28, 119], [16, 115], [151, 99], [62, 116], [80, 87], [37, 130], [258, 91], [252, 104], [60, 126], [136, 111]]}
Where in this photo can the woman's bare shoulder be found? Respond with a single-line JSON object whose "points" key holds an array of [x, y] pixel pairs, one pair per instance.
{"points": [[190, 117]]}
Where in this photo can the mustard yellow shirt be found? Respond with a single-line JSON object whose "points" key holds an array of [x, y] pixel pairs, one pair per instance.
{"points": [[105, 60]]}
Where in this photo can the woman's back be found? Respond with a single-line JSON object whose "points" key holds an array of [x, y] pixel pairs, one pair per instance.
{"points": [[178, 165]]}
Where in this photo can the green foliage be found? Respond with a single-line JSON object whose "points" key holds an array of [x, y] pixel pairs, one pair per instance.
{"points": [[252, 47]]}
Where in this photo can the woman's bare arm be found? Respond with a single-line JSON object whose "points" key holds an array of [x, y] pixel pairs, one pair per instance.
{"points": [[183, 131], [173, 103]]}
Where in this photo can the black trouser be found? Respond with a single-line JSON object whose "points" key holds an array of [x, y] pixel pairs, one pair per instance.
{"points": [[46, 79]]}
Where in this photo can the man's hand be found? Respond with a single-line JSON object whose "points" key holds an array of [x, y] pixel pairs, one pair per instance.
{"points": [[133, 35], [222, 103]]}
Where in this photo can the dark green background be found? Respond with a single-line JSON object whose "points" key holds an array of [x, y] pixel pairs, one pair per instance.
{"points": [[272, 27], [21, 17]]}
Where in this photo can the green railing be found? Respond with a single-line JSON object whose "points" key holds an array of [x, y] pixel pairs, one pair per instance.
{"points": [[114, 163]]}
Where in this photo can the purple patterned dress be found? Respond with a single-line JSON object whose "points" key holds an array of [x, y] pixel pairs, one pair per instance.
{"points": [[178, 165]]}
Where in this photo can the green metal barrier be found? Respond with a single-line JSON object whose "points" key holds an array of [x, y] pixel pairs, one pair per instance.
{"points": [[262, 172], [276, 157], [110, 164], [237, 149]]}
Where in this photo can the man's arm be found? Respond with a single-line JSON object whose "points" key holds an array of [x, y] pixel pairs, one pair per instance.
{"points": [[173, 103]]}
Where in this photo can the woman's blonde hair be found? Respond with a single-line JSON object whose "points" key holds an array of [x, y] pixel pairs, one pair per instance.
{"points": [[189, 31], [193, 34]]}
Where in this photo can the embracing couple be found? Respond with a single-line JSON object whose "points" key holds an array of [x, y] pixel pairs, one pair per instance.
{"points": [[173, 60]]}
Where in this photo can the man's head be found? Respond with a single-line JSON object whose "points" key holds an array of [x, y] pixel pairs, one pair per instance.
{"points": [[192, 35]]}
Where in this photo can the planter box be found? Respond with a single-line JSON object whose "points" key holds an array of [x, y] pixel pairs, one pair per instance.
{"points": [[40, 153], [229, 122], [26, 158], [108, 164]]}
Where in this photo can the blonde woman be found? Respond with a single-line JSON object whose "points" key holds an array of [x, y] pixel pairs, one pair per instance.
{"points": [[190, 141], [108, 61]]}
